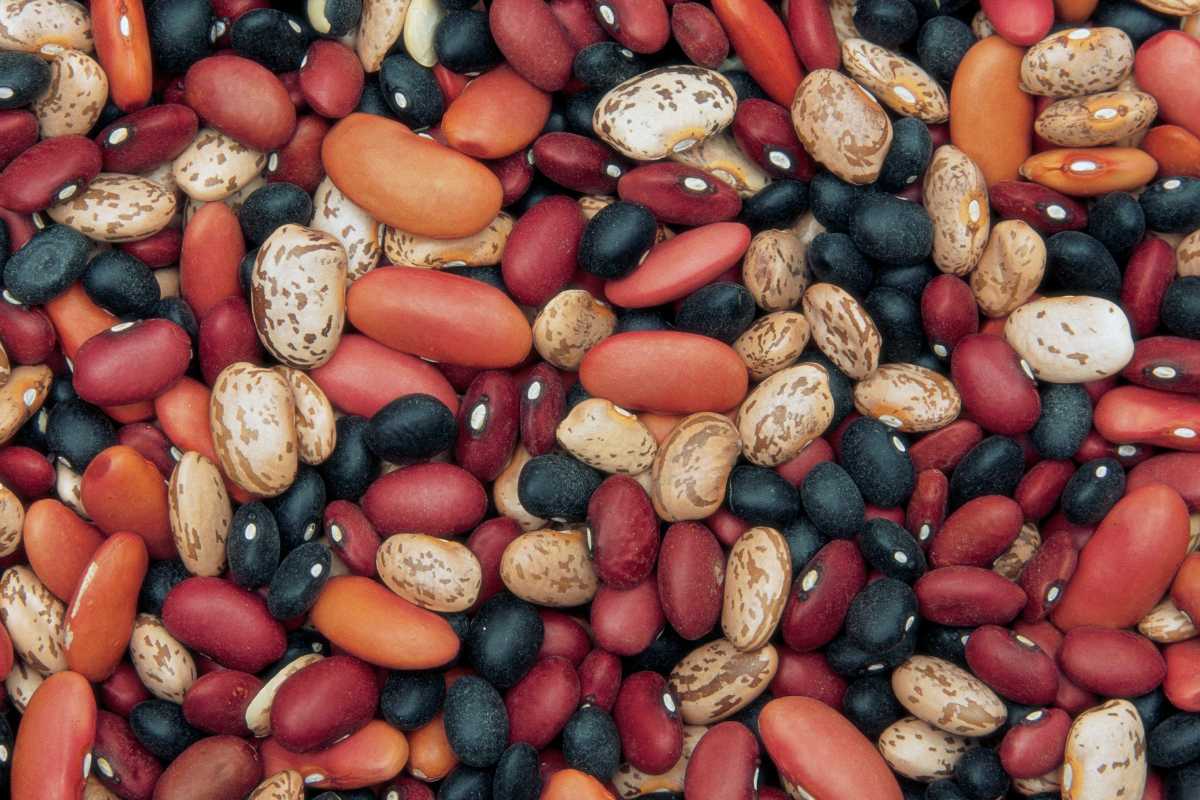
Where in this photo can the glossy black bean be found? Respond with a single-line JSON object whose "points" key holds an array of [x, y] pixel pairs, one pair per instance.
{"points": [[1093, 490], [605, 64], [77, 431], [411, 91], [832, 501], [944, 642], [908, 156], [504, 639], [277, 40], [161, 578], [640, 319], [492, 275], [252, 546], [579, 109], [121, 283], [744, 86], [761, 496], [833, 200], [517, 776], [416, 426], [840, 386], [180, 33], [911, 279], [803, 539], [411, 699], [945, 789], [1117, 221], [299, 511], [23, 78], [994, 466], [941, 46], [1138, 22], [476, 721], [466, 783], [662, 655], [333, 17], [160, 727], [177, 310], [371, 101], [1152, 707], [590, 742], [47, 265], [1180, 310], [1079, 263], [616, 239], [463, 42], [720, 310], [778, 205], [898, 318], [891, 230], [272, 206], [979, 774], [300, 577], [848, 659], [833, 258], [556, 486], [1175, 741], [352, 466], [892, 550], [1065, 420], [881, 614], [870, 705], [887, 23], [876, 457]]}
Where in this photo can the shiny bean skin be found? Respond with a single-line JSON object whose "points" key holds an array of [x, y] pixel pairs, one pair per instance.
{"points": [[647, 717]]}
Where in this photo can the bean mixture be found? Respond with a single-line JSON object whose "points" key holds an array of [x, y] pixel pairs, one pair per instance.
{"points": [[597, 399]]}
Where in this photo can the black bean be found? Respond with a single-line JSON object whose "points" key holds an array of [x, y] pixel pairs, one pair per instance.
{"points": [[252, 546], [504, 639], [476, 721]]}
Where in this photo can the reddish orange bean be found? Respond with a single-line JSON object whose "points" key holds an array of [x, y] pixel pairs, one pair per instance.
{"points": [[210, 257], [242, 99], [1176, 150], [123, 48], [991, 119], [368, 621], [430, 756], [497, 114], [374, 754], [762, 42], [52, 756], [124, 492], [363, 376], [439, 316], [59, 545], [1182, 684], [571, 784], [1185, 589], [6, 653], [76, 318], [1091, 171], [100, 617], [1137, 546], [1161, 63], [1133, 414], [1074, 10]]}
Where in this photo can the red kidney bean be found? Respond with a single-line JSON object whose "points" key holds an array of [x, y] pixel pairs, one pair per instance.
{"points": [[406, 788], [1046, 574], [49, 172], [122, 690], [160, 348], [1182, 684], [691, 579], [540, 255], [1148, 273], [807, 675], [622, 532], [299, 161], [943, 449], [1158, 60], [488, 542], [1177, 470], [648, 721], [225, 622], [210, 258], [797, 469], [437, 499], [626, 621], [1111, 663], [331, 78], [1023, 22], [1138, 546], [217, 701], [579, 21], [324, 702], [1070, 697], [515, 174], [364, 376], [211, 769], [1047, 211], [1035, 745], [821, 595], [810, 26], [679, 266], [997, 388], [540, 704], [227, 335], [948, 313], [600, 679], [564, 636], [160, 250], [578, 163], [120, 762], [968, 596], [20, 228], [533, 42], [259, 114], [927, 507], [26, 333], [640, 25], [1169, 363], [54, 740], [764, 131], [1185, 588], [1058, 523], [543, 400], [26, 471], [148, 137], [723, 765], [680, 195], [487, 425], [699, 34], [352, 537], [1096, 446], [291, 83], [18, 132], [726, 527], [977, 533], [1013, 665], [1040, 487]]}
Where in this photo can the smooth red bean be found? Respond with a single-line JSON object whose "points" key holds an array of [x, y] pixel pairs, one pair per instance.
{"points": [[810, 26], [142, 140], [1159, 62], [227, 336], [26, 471], [640, 25], [678, 266], [363, 376], [540, 255], [211, 769], [807, 675], [299, 161], [1035, 745], [699, 34], [564, 636], [259, 114], [533, 42], [157, 251], [49, 172], [434, 498], [160, 348], [26, 333], [323, 702], [948, 312], [691, 579], [927, 507], [1046, 574], [761, 41], [225, 622], [1023, 22], [626, 621], [996, 386], [1111, 663], [124, 492], [100, 615], [540, 704], [622, 532], [1168, 363], [352, 536], [543, 399], [374, 754], [18, 132], [1013, 665], [943, 449], [821, 596], [1185, 588], [1148, 273], [210, 258], [968, 596], [217, 701], [1180, 471], [120, 761], [764, 131], [54, 740], [1182, 684], [578, 163], [648, 721], [977, 533], [600, 679], [724, 765], [487, 425], [1040, 487], [679, 194], [331, 78], [1047, 211]]}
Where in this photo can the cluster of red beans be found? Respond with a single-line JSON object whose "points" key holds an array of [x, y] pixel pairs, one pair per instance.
{"points": [[583, 399]]}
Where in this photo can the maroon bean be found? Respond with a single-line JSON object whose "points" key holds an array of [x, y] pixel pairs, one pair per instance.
{"points": [[323, 702], [699, 34], [163, 249], [996, 385], [224, 622], [648, 722], [459, 377], [18, 132], [533, 42], [1070, 697], [726, 526], [217, 701], [622, 532], [764, 131], [1170, 363], [1096, 446], [242, 99], [564, 636], [579, 21], [927, 506], [680, 195], [151, 443], [1180, 471], [1058, 523], [1045, 575], [148, 137], [821, 595], [1040, 487], [724, 764], [120, 761], [331, 78], [600, 679], [796, 470], [948, 313], [49, 172], [1035, 745], [488, 419], [640, 25], [807, 675], [211, 769], [1013, 665], [626, 621], [578, 163], [943, 449], [26, 471], [406, 788], [299, 160], [1111, 663], [227, 335], [160, 349], [515, 174], [488, 542], [437, 499], [968, 596], [122, 690], [540, 255], [1047, 211], [540, 704], [1148, 273], [691, 579], [352, 537], [977, 533], [26, 333]]}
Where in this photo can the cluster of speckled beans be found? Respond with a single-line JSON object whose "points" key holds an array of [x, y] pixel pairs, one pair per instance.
{"points": [[596, 399]]}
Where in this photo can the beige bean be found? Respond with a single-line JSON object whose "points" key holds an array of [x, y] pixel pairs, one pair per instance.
{"points": [[841, 126], [716, 680], [607, 437], [116, 208], [842, 329], [908, 397], [774, 270], [549, 567], [200, 514], [721, 157], [773, 342], [692, 466], [316, 422], [34, 618], [1071, 339], [428, 571], [77, 92], [1077, 61], [571, 323], [783, 414], [163, 665], [1106, 754], [253, 420], [921, 752], [947, 696], [898, 83], [758, 576], [215, 166], [1011, 268], [481, 249], [358, 232], [955, 195]]}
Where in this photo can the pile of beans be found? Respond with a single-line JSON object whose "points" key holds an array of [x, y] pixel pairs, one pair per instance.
{"points": [[596, 399]]}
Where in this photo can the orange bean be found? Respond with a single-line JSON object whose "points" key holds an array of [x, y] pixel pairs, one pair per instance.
{"points": [[1176, 150], [123, 48], [100, 617], [374, 754], [1091, 171], [497, 114], [430, 756], [1074, 10], [52, 756], [991, 119], [124, 492], [571, 784], [210, 257], [76, 318], [762, 42], [59, 545]]}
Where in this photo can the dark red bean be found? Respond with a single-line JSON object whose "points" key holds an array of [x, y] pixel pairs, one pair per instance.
{"points": [[600, 679], [324, 702], [163, 249], [807, 675], [224, 622], [26, 471], [542, 701], [699, 34], [406, 788], [21, 228], [160, 349], [331, 78], [1047, 211], [210, 769], [1013, 665], [1035, 745], [622, 532], [764, 131], [148, 137], [968, 596], [259, 113], [352, 537], [647, 718], [120, 762], [49, 172], [821, 596], [1096, 446], [1111, 663], [1170, 363], [977, 533], [579, 21], [1148, 273], [217, 702], [680, 195], [810, 26], [515, 174], [122, 690], [927, 507], [488, 419], [1180, 471], [726, 526], [724, 764], [227, 335], [488, 542], [691, 579], [437, 499], [18, 132], [796, 470], [563, 635], [1040, 487], [997, 388], [299, 160], [533, 42], [640, 25], [578, 163], [1046, 574], [540, 255], [626, 621], [943, 449], [948, 313]]}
